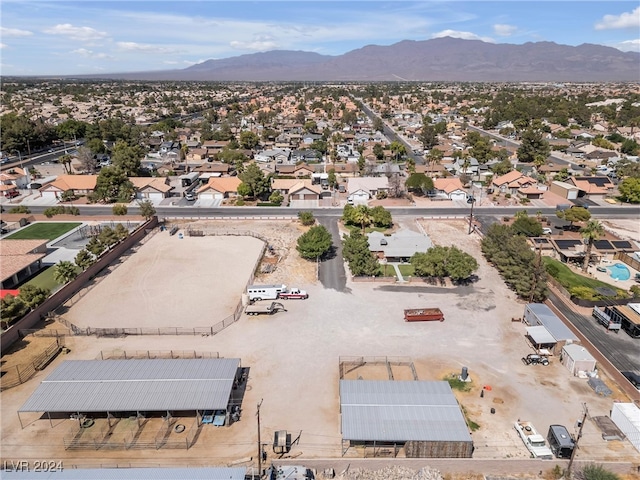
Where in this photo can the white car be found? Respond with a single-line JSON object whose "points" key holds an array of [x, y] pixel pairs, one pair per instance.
{"points": [[547, 231]]}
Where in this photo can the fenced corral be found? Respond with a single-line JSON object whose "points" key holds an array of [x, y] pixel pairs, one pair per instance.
{"points": [[377, 368], [149, 354], [17, 374], [131, 433]]}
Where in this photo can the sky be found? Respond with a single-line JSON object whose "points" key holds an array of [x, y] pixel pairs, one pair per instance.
{"points": [[60, 37]]}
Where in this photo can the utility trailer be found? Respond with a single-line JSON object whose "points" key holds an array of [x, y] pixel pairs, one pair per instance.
{"points": [[423, 315], [605, 319], [264, 308]]}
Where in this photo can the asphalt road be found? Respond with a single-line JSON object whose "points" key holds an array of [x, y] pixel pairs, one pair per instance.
{"points": [[331, 272], [621, 350]]}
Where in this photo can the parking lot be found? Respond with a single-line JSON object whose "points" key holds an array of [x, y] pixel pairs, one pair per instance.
{"points": [[294, 356]]}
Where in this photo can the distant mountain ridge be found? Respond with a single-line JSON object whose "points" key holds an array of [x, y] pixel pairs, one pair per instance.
{"points": [[439, 59]]}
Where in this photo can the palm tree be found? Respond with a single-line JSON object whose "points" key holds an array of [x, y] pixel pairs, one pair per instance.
{"points": [[65, 160], [362, 215], [591, 232], [64, 272]]}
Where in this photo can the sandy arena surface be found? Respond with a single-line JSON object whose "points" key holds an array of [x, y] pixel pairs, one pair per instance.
{"points": [[293, 358]]}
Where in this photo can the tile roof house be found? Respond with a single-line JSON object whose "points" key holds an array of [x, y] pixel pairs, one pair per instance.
{"points": [[219, 188], [512, 181], [592, 186], [13, 179], [297, 171], [20, 259], [151, 188], [78, 184], [451, 187]]}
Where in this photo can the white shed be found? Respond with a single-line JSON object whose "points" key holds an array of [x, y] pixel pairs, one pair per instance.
{"points": [[577, 359], [626, 416]]}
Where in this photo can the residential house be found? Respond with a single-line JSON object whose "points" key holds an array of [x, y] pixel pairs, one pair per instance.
{"points": [[398, 247], [218, 188], [306, 155], [151, 188], [20, 259], [215, 169], [277, 155], [513, 181], [12, 180], [432, 170], [344, 169], [197, 155], [78, 184], [450, 187], [297, 171], [466, 166], [362, 189], [592, 187], [166, 147], [214, 146]]}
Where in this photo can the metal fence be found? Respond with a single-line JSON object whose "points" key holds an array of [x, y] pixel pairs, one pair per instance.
{"points": [[18, 374], [148, 354], [348, 364]]}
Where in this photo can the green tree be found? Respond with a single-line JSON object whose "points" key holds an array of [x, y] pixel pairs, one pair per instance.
{"points": [[315, 243], [147, 210], [596, 472], [276, 198], [331, 178], [629, 190], [361, 215], [249, 140], [113, 185], [84, 259], [255, 179], [65, 272], [20, 209], [428, 137], [378, 125], [591, 232], [108, 236], [119, 209], [306, 218], [398, 150], [574, 214], [127, 158], [533, 146], [95, 246], [502, 167], [378, 151], [65, 160], [121, 231], [441, 262], [33, 296], [355, 250], [381, 217], [419, 183], [244, 190], [11, 308], [361, 164], [527, 226], [630, 147]]}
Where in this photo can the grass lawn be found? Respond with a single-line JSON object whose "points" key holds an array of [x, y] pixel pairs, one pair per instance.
{"points": [[356, 228], [44, 231], [407, 270], [45, 280], [569, 279]]}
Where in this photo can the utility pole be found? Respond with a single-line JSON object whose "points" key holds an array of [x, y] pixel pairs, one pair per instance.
{"points": [[259, 442], [471, 200], [575, 445]]}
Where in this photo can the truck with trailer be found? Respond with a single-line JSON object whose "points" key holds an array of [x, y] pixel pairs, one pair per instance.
{"points": [[423, 315], [534, 442], [264, 308], [293, 294]]}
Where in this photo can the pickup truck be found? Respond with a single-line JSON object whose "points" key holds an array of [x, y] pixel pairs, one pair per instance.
{"points": [[535, 443], [293, 293], [264, 308]]}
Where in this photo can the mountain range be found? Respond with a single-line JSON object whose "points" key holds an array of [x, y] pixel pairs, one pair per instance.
{"points": [[439, 59]]}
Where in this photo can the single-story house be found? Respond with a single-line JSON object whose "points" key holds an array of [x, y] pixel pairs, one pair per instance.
{"points": [[197, 154], [297, 171], [305, 190], [512, 181], [398, 247], [218, 188], [78, 184], [151, 188], [20, 259], [361, 189], [451, 187], [214, 146], [598, 186]]}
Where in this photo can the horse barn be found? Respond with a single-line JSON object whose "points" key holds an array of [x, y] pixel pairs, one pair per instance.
{"points": [[132, 391], [386, 417]]}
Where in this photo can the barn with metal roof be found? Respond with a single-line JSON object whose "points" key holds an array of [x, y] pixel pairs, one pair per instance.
{"points": [[421, 417], [134, 385]]}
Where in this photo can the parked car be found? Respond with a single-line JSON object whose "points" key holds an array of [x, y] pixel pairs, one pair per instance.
{"points": [[547, 231], [190, 196], [12, 194]]}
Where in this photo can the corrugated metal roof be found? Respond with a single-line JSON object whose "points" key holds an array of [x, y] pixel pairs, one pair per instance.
{"points": [[135, 385], [540, 335], [552, 323], [211, 473], [400, 411]]}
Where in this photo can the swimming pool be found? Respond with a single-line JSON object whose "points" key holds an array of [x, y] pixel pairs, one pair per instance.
{"points": [[619, 272]]}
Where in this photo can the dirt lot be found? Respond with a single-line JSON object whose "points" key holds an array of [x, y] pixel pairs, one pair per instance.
{"points": [[294, 364]]}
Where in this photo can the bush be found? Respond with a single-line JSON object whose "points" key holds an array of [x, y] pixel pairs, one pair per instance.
{"points": [[635, 291], [266, 204], [306, 218], [20, 209], [507, 195], [239, 202], [596, 472], [119, 209], [60, 210]]}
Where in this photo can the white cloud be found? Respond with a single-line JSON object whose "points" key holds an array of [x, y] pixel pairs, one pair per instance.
{"points": [[3, 45], [179, 62], [259, 44], [629, 45], [504, 30], [463, 35], [624, 20], [14, 32], [143, 47], [82, 34], [83, 52]]}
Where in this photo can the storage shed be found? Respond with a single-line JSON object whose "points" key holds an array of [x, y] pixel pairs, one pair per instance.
{"points": [[577, 359], [540, 314], [423, 417], [626, 416]]}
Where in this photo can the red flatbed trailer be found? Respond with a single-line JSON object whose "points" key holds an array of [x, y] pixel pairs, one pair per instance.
{"points": [[423, 315]]}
